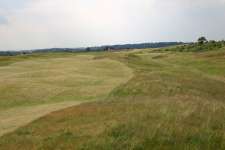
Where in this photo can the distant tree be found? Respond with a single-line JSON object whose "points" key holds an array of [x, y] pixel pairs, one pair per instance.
{"points": [[202, 40], [212, 41], [88, 49], [107, 48]]}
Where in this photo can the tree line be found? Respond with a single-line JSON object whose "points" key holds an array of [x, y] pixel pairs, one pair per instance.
{"points": [[97, 48]]}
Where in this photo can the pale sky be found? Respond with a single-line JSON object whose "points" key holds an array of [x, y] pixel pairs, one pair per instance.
{"points": [[32, 24]]}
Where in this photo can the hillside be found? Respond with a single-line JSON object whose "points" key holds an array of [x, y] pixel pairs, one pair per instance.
{"points": [[173, 100]]}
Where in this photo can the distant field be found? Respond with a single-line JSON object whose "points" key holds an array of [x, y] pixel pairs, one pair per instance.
{"points": [[174, 100], [31, 87]]}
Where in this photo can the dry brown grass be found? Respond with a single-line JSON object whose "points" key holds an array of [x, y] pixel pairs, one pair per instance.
{"points": [[173, 101], [32, 88]]}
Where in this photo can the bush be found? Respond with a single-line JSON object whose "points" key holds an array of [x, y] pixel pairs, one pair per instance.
{"points": [[196, 47]]}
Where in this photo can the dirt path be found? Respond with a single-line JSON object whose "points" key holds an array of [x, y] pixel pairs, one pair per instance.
{"points": [[14, 118]]}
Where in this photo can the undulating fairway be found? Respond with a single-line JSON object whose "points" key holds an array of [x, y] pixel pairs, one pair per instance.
{"points": [[31, 87], [164, 100]]}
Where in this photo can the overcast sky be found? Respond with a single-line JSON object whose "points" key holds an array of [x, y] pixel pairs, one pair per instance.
{"points": [[31, 24]]}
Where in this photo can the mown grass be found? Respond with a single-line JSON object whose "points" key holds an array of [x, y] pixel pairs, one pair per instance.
{"points": [[37, 79], [34, 85], [174, 101]]}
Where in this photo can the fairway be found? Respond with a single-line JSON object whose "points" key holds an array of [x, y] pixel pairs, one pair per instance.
{"points": [[170, 100], [34, 87]]}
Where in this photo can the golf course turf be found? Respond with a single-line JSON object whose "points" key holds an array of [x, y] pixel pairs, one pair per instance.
{"points": [[138, 100]]}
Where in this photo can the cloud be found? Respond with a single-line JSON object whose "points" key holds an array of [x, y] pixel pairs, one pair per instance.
{"points": [[74, 23]]}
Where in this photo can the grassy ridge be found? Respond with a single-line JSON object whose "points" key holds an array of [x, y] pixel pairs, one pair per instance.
{"points": [[174, 101]]}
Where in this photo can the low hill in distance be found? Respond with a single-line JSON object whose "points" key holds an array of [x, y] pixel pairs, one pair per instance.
{"points": [[97, 48]]}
